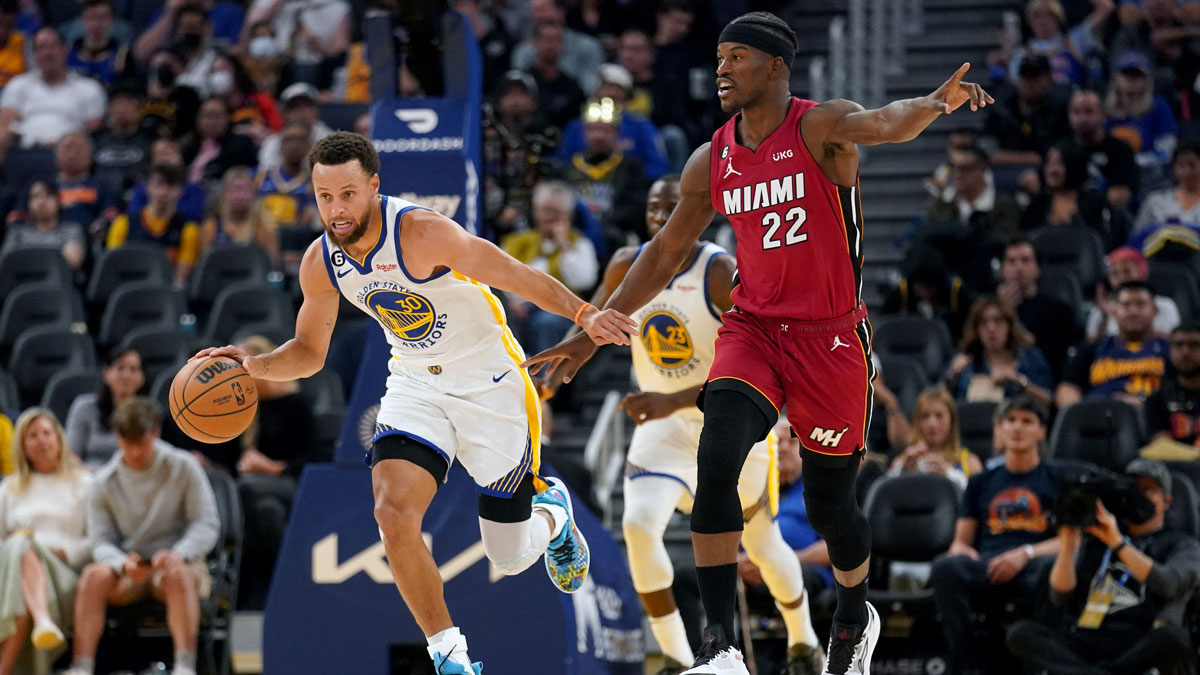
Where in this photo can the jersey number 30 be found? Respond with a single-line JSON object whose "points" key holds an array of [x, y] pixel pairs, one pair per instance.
{"points": [[794, 219]]}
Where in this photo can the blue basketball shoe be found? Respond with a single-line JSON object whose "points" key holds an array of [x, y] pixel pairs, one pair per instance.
{"points": [[568, 556], [444, 666]]}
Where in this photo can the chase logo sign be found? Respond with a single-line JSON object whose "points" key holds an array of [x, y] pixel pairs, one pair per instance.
{"points": [[666, 340], [408, 316], [419, 120]]}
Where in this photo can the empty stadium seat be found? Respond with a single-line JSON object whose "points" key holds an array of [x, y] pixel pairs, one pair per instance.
{"points": [[1177, 282], [223, 266], [1075, 248], [65, 386], [244, 304], [140, 304], [1106, 432], [162, 349], [131, 262], [36, 304], [19, 267], [10, 400], [43, 351], [1061, 284], [975, 427], [1184, 514], [927, 341], [906, 378]]}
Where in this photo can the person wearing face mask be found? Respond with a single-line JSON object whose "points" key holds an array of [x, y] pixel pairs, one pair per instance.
{"points": [[261, 56], [170, 105], [252, 111], [186, 27]]}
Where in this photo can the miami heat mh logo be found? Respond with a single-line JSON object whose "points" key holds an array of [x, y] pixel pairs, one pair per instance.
{"points": [[409, 316], [666, 340]]}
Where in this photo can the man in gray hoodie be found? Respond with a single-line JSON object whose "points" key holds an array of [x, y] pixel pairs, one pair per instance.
{"points": [[153, 519]]}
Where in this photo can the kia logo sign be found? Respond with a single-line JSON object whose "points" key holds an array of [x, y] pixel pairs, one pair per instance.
{"points": [[419, 120]]}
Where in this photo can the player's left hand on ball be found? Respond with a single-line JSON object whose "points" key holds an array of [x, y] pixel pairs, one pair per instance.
{"points": [[645, 406], [607, 326], [954, 92]]}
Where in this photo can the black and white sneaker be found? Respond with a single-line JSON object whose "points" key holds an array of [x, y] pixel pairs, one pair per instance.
{"points": [[850, 647], [717, 656]]}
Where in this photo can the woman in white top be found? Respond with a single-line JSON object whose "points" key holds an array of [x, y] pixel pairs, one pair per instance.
{"points": [[43, 519]]}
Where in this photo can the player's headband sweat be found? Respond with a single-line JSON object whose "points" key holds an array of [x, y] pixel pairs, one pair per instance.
{"points": [[759, 39]]}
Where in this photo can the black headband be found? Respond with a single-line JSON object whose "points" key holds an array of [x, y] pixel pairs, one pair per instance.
{"points": [[758, 38]]}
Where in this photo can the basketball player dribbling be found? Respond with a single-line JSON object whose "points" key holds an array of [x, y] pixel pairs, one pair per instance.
{"points": [[670, 364], [785, 173], [455, 388]]}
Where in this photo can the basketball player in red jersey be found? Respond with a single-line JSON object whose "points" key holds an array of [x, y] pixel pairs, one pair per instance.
{"points": [[785, 172]]}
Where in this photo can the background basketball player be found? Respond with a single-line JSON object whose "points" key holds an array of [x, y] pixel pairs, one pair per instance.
{"points": [[455, 387], [785, 172]]}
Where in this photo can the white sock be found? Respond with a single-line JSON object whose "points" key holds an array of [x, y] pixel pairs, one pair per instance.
{"points": [[668, 630], [451, 644], [558, 514], [799, 623]]}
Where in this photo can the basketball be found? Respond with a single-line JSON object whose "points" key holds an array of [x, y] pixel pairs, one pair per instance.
{"points": [[213, 399]]}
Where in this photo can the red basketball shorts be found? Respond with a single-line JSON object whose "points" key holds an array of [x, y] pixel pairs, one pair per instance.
{"points": [[821, 371]]}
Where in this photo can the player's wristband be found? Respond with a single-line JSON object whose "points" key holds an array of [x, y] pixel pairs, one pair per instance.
{"points": [[580, 312], [1117, 550], [1029, 552]]}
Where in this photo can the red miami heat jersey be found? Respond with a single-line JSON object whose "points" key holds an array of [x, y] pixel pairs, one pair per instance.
{"points": [[799, 252]]}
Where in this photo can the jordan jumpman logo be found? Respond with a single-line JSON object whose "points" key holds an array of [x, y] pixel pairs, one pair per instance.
{"points": [[730, 170], [837, 342]]}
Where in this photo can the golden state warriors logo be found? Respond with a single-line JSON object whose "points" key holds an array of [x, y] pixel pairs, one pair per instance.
{"points": [[409, 316], [666, 340]]}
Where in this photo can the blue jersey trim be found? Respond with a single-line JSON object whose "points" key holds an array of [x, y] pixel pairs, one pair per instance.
{"points": [[707, 295], [365, 267], [424, 441], [400, 253], [641, 474], [328, 262]]}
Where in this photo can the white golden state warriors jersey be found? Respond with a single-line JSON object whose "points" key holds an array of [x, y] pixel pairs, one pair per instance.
{"points": [[678, 330], [444, 321]]}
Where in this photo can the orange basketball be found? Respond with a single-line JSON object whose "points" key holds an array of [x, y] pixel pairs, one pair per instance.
{"points": [[213, 399]]}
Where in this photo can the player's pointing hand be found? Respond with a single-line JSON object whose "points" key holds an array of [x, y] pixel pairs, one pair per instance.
{"points": [[954, 92], [607, 326]]}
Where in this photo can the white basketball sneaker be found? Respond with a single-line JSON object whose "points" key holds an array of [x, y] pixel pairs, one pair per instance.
{"points": [[850, 647], [717, 656]]}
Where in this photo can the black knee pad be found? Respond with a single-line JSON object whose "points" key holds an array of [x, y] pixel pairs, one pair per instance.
{"points": [[514, 509], [732, 425], [397, 446], [833, 512]]}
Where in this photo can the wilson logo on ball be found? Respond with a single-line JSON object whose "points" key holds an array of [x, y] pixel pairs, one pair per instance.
{"points": [[213, 370]]}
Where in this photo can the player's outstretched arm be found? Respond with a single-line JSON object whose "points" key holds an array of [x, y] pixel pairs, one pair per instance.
{"points": [[437, 240], [304, 354], [845, 122]]}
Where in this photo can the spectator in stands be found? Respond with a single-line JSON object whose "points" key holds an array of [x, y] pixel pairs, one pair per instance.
{"points": [[123, 144], [44, 228], [556, 249], [1063, 199], [1128, 366], [684, 53], [1072, 53], [239, 217], [1168, 223], [299, 103], [225, 16], [998, 359], [1027, 119], [637, 136], [581, 55], [660, 97], [935, 446], [495, 42], [253, 112], [117, 26], [559, 95], [191, 205], [611, 183], [1120, 598], [89, 420], [1173, 412], [1052, 322], [928, 288], [598, 18], [171, 105], [287, 195], [1004, 525], [42, 106], [215, 148], [1136, 115], [160, 222], [152, 519], [185, 28], [83, 198], [1111, 168], [279, 443], [261, 57], [43, 520], [958, 141], [1127, 264], [1161, 32], [97, 53], [12, 43], [970, 220], [309, 32]]}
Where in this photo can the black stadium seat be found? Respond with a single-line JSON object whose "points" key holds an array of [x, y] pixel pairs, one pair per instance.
{"points": [[975, 427], [1063, 285], [1176, 281], [10, 400], [244, 304], [1184, 514], [161, 349], [41, 352], [141, 304], [223, 266], [37, 304], [925, 340], [65, 386], [1106, 432], [1076, 248], [19, 267], [131, 262]]}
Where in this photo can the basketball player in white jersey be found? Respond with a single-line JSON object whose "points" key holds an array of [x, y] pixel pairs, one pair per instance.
{"points": [[670, 362], [455, 390]]}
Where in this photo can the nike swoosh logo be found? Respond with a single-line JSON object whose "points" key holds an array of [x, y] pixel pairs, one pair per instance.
{"points": [[497, 379], [342, 274]]}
